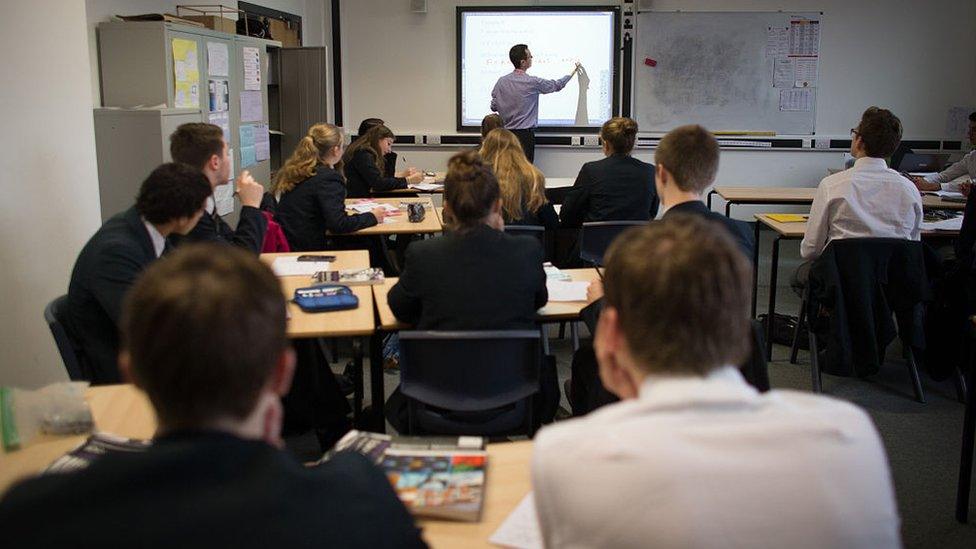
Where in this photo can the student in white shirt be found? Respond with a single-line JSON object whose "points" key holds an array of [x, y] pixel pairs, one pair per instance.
{"points": [[693, 456], [943, 181], [869, 200]]}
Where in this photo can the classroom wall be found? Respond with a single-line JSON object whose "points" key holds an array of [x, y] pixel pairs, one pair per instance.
{"points": [[913, 56], [312, 13], [49, 181]]}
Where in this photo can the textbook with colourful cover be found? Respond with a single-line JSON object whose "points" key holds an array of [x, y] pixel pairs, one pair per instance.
{"points": [[95, 446], [351, 277], [435, 477]]}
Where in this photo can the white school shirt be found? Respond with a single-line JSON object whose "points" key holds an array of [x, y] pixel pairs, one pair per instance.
{"points": [[709, 462], [157, 238], [868, 200], [966, 166]]}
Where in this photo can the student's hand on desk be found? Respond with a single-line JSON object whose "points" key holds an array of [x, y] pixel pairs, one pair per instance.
{"points": [[924, 185], [594, 291], [415, 178], [250, 191], [965, 188], [379, 214]]}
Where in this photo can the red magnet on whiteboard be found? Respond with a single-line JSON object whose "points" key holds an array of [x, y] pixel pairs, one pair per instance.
{"points": [[650, 62]]}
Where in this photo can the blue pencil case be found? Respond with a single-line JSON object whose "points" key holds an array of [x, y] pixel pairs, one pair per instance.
{"points": [[317, 299]]}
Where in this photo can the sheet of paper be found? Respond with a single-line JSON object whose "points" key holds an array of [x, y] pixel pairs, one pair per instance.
{"points": [[248, 152], [796, 100], [784, 73], [957, 121], [252, 109], [777, 41], [947, 194], [186, 74], [804, 37], [219, 92], [252, 68], [221, 119], [426, 186], [806, 72], [566, 291], [217, 59], [262, 142], [521, 528], [368, 206], [291, 266], [953, 224], [224, 198]]}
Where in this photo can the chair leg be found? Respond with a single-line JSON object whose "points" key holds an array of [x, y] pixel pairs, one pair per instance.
{"points": [[815, 380], [562, 330], [913, 372], [962, 391], [966, 456], [796, 332], [544, 329], [574, 335]]}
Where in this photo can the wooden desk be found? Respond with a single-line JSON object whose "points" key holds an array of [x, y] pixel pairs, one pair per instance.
{"points": [[792, 231], [118, 409], [124, 410], [354, 322], [798, 195], [430, 224], [554, 311]]}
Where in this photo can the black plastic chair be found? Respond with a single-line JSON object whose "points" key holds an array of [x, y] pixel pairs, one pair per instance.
{"points": [[854, 245], [596, 237], [54, 316], [535, 231], [471, 382]]}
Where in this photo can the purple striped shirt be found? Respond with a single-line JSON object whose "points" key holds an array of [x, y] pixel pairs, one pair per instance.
{"points": [[516, 98]]}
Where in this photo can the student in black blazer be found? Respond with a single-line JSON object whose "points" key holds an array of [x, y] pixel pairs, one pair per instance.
{"points": [[365, 165], [215, 475], [312, 193], [202, 146], [523, 187], [687, 162], [390, 158], [474, 277], [617, 188], [170, 201]]}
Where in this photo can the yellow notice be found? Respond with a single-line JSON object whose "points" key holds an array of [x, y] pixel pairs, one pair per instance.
{"points": [[186, 74], [788, 218]]}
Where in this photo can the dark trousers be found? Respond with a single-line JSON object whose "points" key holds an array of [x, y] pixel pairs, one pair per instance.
{"points": [[527, 138]]}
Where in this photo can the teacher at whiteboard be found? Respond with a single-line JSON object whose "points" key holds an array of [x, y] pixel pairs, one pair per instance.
{"points": [[516, 97]]}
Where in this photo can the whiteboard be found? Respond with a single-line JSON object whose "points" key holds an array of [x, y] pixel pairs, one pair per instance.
{"points": [[717, 69]]}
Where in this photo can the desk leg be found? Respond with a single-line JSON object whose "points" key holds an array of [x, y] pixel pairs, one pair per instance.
{"points": [[708, 199], [377, 395], [544, 329], [357, 395], [574, 334], [728, 208], [755, 269], [772, 298]]}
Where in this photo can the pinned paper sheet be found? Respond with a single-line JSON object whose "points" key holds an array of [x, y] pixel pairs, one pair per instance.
{"points": [[784, 72], [252, 108], [796, 100], [252, 68], [217, 59], [521, 528], [291, 266], [262, 142], [806, 72], [566, 291], [777, 41], [221, 119], [248, 153], [186, 74]]}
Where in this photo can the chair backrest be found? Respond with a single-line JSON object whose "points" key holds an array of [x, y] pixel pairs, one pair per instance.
{"points": [[536, 231], [54, 315], [596, 237]]}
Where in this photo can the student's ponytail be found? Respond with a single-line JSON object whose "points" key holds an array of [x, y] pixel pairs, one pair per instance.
{"points": [[470, 191], [301, 165]]}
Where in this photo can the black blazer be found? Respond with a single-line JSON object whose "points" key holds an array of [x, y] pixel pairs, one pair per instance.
{"points": [[479, 280], [545, 216], [739, 230], [617, 188], [212, 228], [209, 490], [315, 206], [363, 177], [105, 269]]}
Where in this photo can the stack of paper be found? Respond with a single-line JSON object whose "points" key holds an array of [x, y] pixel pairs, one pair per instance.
{"points": [[560, 290], [426, 185], [291, 266], [366, 207], [521, 528], [953, 224]]}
